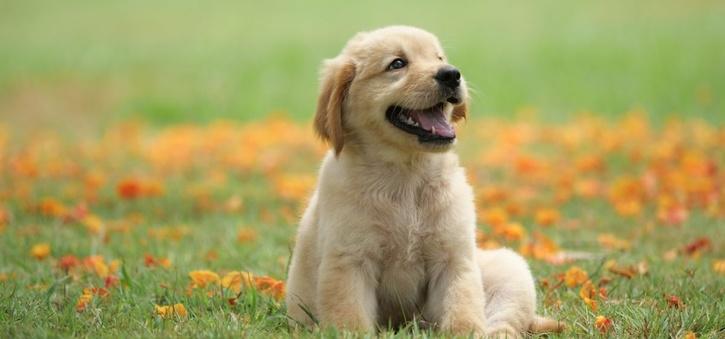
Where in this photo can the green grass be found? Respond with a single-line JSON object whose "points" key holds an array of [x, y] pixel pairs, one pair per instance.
{"points": [[81, 68], [192, 61], [38, 300]]}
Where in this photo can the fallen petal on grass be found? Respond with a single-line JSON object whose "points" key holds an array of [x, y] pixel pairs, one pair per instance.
{"points": [[40, 251], [203, 278], [575, 276], [603, 324], [170, 311]]}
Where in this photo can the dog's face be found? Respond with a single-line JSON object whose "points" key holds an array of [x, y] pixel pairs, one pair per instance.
{"points": [[392, 86]]}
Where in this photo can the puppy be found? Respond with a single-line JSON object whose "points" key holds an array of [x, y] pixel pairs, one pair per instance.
{"points": [[388, 236]]}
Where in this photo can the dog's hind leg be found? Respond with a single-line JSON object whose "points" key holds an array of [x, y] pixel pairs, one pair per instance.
{"points": [[510, 295]]}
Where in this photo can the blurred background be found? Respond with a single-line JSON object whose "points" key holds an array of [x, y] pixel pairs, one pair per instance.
{"points": [[163, 143], [77, 63]]}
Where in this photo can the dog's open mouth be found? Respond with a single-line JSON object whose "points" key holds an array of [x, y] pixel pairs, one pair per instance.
{"points": [[430, 124]]}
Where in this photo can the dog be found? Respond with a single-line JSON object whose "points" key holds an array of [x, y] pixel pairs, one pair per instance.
{"points": [[388, 237]]}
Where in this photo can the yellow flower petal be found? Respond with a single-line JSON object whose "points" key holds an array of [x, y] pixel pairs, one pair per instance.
{"points": [[603, 324], [169, 311], [40, 251], [575, 276], [234, 281], [202, 278]]}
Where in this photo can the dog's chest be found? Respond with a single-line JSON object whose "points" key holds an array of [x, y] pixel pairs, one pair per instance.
{"points": [[406, 215], [406, 220], [403, 223], [403, 277], [401, 291]]}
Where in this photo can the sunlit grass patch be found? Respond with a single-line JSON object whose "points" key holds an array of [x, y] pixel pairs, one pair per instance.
{"points": [[186, 230]]}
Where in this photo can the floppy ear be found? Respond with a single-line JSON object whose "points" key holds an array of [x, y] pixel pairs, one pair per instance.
{"points": [[460, 111], [336, 78]]}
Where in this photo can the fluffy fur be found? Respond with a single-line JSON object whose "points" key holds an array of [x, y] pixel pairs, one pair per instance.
{"points": [[388, 236]]}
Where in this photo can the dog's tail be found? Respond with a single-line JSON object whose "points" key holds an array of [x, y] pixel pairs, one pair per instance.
{"points": [[543, 325]]}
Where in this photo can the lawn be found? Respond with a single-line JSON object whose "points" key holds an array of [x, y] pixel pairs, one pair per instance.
{"points": [[160, 154]]}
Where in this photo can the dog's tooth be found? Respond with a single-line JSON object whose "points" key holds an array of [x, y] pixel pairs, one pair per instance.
{"points": [[433, 129]]}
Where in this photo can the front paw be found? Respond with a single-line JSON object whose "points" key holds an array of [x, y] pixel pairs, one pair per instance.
{"points": [[502, 332], [347, 320], [464, 326]]}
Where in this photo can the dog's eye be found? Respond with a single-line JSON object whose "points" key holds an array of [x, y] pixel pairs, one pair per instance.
{"points": [[397, 64]]}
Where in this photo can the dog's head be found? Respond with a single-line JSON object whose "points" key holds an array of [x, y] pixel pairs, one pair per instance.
{"points": [[393, 86]]}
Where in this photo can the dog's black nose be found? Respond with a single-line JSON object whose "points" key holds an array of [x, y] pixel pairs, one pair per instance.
{"points": [[449, 76]]}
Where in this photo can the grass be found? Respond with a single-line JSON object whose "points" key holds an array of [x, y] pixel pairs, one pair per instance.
{"points": [[193, 196], [240, 60], [99, 100]]}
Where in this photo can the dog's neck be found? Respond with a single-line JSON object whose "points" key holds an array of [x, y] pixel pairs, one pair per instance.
{"points": [[361, 155]]}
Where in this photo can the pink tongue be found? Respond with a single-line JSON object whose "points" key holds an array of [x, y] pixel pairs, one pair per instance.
{"points": [[435, 118]]}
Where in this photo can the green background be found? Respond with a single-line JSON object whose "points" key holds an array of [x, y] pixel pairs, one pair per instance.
{"points": [[171, 61]]}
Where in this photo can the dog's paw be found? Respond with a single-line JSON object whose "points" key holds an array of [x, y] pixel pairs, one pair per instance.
{"points": [[502, 332]]}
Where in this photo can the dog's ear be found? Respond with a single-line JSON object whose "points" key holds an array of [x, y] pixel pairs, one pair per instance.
{"points": [[337, 74], [460, 111]]}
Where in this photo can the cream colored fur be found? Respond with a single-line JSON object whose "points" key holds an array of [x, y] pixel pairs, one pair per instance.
{"points": [[388, 236]]}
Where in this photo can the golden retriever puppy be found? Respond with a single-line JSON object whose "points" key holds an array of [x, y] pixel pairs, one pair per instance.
{"points": [[388, 236]]}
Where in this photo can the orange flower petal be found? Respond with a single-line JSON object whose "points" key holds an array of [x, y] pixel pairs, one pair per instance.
{"points": [[40, 251], [603, 324]]}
